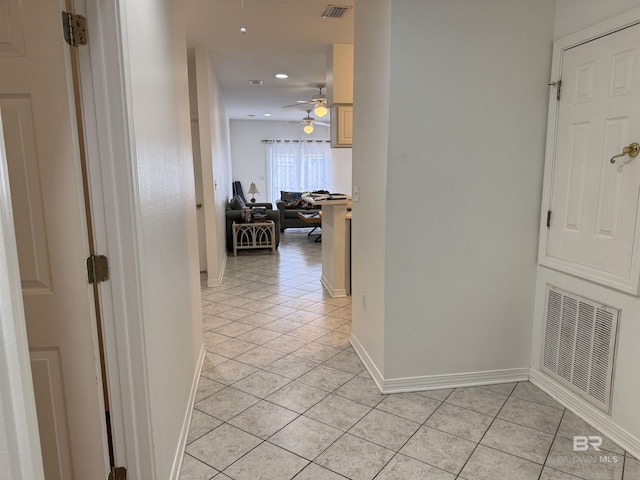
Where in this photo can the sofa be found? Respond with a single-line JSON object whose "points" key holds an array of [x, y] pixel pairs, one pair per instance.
{"points": [[234, 214], [289, 205]]}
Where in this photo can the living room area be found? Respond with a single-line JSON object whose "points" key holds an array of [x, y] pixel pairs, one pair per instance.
{"points": [[280, 168], [282, 163], [250, 141]]}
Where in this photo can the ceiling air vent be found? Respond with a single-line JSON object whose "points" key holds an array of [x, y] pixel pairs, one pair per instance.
{"points": [[256, 82], [335, 11]]}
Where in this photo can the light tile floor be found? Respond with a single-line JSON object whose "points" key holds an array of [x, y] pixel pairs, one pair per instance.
{"points": [[283, 395]]}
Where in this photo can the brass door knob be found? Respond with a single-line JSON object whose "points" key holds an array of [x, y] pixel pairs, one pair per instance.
{"points": [[632, 150]]}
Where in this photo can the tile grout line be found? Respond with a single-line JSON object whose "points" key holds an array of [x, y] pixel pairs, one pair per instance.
{"points": [[413, 435], [264, 399], [485, 433], [256, 272], [552, 442]]}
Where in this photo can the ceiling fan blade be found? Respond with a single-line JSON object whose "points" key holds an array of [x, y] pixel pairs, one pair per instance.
{"points": [[297, 105], [323, 124]]}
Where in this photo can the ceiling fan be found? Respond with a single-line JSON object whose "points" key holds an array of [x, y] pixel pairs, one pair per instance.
{"points": [[309, 122], [318, 101]]}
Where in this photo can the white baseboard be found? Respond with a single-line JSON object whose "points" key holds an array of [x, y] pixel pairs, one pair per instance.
{"points": [[334, 292], [586, 412], [455, 380], [211, 282], [368, 362], [565, 397], [436, 382], [184, 433], [223, 268]]}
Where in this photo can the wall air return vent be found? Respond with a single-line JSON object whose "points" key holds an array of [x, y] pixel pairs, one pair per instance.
{"points": [[335, 11], [579, 345]]}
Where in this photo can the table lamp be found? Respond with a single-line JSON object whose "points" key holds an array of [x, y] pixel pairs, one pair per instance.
{"points": [[253, 190]]}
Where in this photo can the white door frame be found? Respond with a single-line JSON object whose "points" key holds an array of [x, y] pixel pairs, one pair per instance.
{"points": [[116, 213], [606, 27]]}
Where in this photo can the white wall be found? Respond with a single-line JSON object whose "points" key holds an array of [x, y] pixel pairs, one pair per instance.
{"points": [[624, 422], [466, 138], [221, 150], [215, 159], [574, 15], [370, 132], [249, 158], [466, 145], [156, 76], [341, 170]]}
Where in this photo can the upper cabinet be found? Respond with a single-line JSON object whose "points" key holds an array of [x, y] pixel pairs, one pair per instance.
{"points": [[340, 93], [342, 125]]}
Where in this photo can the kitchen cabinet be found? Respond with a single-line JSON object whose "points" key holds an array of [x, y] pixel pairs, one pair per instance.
{"points": [[342, 125]]}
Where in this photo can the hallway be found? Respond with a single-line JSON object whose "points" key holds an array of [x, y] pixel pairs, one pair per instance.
{"points": [[283, 395]]}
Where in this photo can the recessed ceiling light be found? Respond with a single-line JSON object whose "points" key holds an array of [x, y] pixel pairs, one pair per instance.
{"points": [[266, 114], [282, 75]]}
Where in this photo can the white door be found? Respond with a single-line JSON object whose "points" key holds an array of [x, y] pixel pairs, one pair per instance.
{"points": [[36, 103], [594, 203], [197, 173]]}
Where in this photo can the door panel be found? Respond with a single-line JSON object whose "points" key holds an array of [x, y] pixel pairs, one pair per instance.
{"points": [[594, 203], [52, 416], [11, 28], [36, 102], [615, 133], [26, 193], [579, 137]]}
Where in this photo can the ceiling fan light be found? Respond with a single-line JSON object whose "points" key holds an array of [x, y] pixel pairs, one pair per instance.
{"points": [[320, 110], [308, 129]]}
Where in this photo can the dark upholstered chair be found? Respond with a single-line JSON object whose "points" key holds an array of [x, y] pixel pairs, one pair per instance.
{"points": [[235, 216]]}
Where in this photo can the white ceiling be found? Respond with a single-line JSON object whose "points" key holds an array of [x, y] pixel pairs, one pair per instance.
{"points": [[283, 36]]}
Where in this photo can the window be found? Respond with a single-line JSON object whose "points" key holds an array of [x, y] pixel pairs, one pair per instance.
{"points": [[298, 167]]}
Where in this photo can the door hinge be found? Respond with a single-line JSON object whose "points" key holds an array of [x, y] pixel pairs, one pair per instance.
{"points": [[548, 218], [97, 268], [558, 86], [118, 473], [74, 28]]}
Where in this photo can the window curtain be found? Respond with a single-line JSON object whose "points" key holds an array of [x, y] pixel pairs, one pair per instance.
{"points": [[298, 167]]}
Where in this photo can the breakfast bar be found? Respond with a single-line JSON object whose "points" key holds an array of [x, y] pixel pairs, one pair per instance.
{"points": [[336, 243]]}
